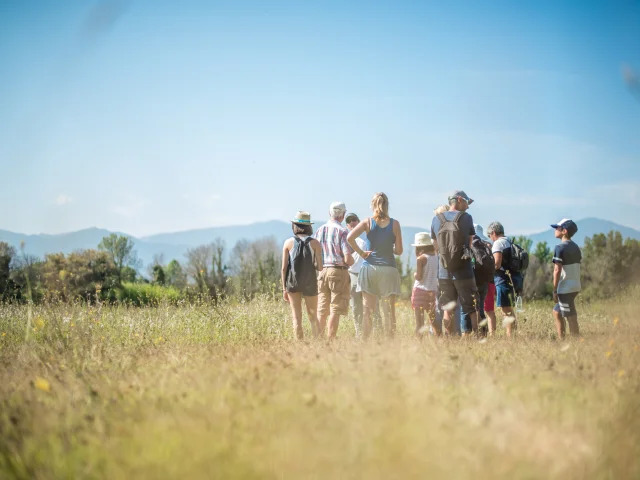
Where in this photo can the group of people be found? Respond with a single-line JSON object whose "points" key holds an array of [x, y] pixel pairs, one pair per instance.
{"points": [[460, 274]]}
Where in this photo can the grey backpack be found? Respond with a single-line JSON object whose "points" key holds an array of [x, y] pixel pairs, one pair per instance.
{"points": [[452, 243]]}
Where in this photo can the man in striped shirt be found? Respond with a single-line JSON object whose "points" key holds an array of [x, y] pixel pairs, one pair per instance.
{"points": [[334, 284]]}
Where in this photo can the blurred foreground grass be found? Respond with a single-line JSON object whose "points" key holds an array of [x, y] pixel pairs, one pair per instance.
{"points": [[203, 392]]}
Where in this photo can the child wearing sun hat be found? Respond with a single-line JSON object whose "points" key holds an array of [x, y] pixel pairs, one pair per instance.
{"points": [[423, 295]]}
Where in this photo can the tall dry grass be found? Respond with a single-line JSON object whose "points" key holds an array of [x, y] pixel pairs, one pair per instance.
{"points": [[202, 392]]}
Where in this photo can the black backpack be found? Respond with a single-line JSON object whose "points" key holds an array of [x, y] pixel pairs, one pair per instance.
{"points": [[452, 243], [518, 260], [484, 267], [301, 270]]}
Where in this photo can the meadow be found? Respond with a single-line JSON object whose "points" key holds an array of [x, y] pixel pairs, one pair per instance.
{"points": [[197, 391]]}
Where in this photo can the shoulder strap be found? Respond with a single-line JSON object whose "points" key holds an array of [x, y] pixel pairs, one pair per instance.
{"points": [[307, 240], [295, 237], [457, 217], [442, 219]]}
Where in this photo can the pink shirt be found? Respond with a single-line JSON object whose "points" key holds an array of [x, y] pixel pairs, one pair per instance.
{"points": [[333, 240]]}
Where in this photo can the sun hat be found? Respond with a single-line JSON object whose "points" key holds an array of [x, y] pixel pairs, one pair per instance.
{"points": [[567, 224], [302, 218], [422, 239], [351, 217], [460, 193], [480, 232]]}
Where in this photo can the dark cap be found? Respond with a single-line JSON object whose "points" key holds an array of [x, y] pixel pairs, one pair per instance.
{"points": [[351, 217], [460, 193], [568, 224]]}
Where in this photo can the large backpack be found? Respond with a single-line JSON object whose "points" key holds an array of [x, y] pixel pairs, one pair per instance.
{"points": [[452, 242], [301, 270], [518, 260], [484, 267]]}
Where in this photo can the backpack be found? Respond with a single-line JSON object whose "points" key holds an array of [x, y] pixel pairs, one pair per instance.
{"points": [[452, 243], [518, 259], [484, 264], [301, 270]]}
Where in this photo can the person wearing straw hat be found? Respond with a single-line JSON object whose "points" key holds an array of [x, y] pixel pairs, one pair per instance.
{"points": [[301, 258], [423, 295], [334, 284]]}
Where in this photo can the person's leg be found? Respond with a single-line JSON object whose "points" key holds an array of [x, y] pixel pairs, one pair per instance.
{"points": [[482, 295], [295, 300], [340, 286], [356, 305], [418, 313], [311, 304], [324, 301], [431, 310], [369, 301], [448, 298], [560, 327], [505, 300], [389, 312], [468, 296], [568, 310], [489, 308]]}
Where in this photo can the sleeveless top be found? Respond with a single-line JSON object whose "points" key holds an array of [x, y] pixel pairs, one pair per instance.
{"points": [[381, 242], [429, 280]]}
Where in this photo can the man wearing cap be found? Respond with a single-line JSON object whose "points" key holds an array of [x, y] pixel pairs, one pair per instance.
{"points": [[508, 283], [456, 282], [566, 277], [352, 222], [334, 285]]}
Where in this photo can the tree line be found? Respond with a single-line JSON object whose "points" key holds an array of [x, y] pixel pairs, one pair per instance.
{"points": [[111, 272]]}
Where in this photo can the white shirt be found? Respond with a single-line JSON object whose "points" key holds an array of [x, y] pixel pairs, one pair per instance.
{"points": [[357, 259]]}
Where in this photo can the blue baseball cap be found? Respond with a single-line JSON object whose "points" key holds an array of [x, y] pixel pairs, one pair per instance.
{"points": [[568, 224]]}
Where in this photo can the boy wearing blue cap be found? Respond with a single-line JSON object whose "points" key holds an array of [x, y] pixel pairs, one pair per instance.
{"points": [[566, 277]]}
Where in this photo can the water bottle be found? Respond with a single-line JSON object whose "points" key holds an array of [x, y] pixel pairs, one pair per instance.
{"points": [[519, 308]]}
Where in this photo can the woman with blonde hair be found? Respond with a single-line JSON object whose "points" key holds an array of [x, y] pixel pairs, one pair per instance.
{"points": [[379, 276]]}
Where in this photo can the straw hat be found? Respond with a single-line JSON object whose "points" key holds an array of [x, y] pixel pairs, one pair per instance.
{"points": [[303, 218], [422, 239]]}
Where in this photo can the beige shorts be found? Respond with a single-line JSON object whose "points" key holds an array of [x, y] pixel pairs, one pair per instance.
{"points": [[334, 291]]}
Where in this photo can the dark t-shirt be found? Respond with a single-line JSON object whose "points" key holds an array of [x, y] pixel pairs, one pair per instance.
{"points": [[466, 225], [569, 256]]}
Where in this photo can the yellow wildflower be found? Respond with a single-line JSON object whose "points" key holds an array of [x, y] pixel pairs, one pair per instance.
{"points": [[4, 334], [39, 322], [42, 384], [616, 320], [620, 373], [608, 354]]}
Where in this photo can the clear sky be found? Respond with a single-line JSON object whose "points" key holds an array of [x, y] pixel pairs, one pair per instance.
{"points": [[154, 116]]}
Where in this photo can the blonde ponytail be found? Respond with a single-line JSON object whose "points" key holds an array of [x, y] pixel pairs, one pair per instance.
{"points": [[380, 207]]}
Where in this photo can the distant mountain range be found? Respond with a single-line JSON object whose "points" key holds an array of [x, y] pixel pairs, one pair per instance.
{"points": [[175, 245]]}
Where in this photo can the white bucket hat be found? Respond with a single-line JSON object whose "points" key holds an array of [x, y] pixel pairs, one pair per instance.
{"points": [[422, 239], [480, 233]]}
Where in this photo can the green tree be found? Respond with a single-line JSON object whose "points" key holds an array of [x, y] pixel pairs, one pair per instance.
{"points": [[121, 251], [158, 275], [7, 254], [543, 253], [174, 275], [524, 242]]}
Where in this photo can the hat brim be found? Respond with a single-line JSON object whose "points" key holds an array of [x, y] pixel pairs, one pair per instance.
{"points": [[298, 222], [422, 244], [483, 238], [556, 226]]}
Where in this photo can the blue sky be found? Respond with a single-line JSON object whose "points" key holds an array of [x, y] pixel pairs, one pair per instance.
{"points": [[154, 116]]}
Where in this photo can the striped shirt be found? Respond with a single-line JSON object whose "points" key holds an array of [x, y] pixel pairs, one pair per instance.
{"points": [[333, 240]]}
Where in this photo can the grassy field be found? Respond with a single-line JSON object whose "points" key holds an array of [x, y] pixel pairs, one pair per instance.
{"points": [[202, 392]]}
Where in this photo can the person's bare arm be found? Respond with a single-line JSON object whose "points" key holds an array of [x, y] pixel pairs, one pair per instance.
{"points": [[470, 240], [498, 258], [397, 245], [351, 238], [285, 264], [348, 259], [435, 244], [557, 272], [420, 264], [317, 254]]}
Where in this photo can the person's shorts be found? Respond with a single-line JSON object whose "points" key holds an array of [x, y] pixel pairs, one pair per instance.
{"points": [[505, 296], [490, 299], [566, 305], [423, 299], [463, 290], [334, 291], [378, 280]]}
